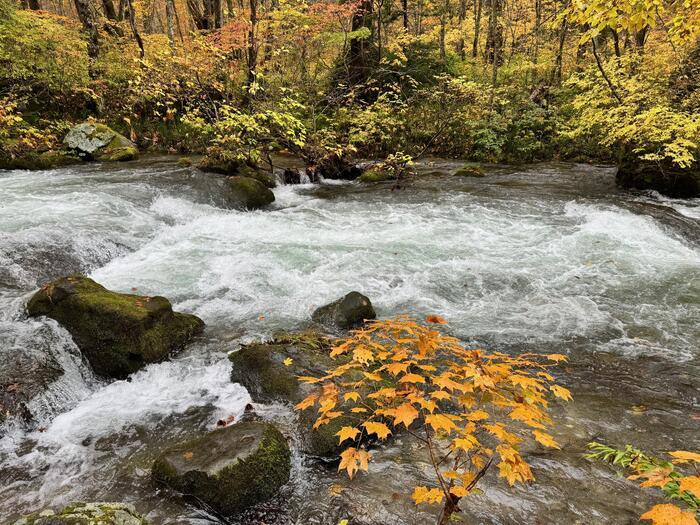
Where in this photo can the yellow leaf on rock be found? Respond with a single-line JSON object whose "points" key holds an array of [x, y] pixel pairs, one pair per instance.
{"points": [[425, 495], [545, 439], [347, 433], [288, 361], [668, 514], [380, 429], [690, 484], [458, 491], [683, 456], [557, 357]]}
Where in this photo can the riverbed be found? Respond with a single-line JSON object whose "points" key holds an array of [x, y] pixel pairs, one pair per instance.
{"points": [[547, 257]]}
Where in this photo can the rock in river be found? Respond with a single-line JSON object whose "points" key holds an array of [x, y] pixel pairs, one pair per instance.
{"points": [[86, 514], [347, 312], [247, 193], [100, 142], [228, 470], [117, 333], [261, 369]]}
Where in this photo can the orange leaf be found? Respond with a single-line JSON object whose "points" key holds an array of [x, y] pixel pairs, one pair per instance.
{"points": [[561, 392], [425, 495], [380, 429], [405, 414], [668, 514], [412, 378], [690, 484], [683, 456], [556, 357], [435, 319], [440, 422], [307, 402], [347, 433], [545, 439]]}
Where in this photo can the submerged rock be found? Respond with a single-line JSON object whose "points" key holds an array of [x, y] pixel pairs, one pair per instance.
{"points": [[247, 193], [86, 514], [117, 333], [668, 180], [228, 470], [376, 175], [100, 142], [334, 167], [347, 312], [230, 167], [470, 171]]}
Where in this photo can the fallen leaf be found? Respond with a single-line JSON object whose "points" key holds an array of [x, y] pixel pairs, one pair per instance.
{"points": [[668, 514]]}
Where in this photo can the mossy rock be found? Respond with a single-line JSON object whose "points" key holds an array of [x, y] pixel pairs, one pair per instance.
{"points": [[86, 514], [261, 176], [261, 369], [117, 333], [212, 164], [246, 193], [184, 162], [373, 175], [99, 142], [345, 313], [470, 171], [41, 161], [228, 470]]}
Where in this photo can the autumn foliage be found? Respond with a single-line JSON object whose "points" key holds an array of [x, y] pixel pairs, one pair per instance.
{"points": [[662, 474], [470, 408]]}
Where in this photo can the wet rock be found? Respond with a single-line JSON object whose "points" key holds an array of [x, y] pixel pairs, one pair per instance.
{"points": [[668, 180], [99, 142], [347, 312], [334, 167], [40, 161], [261, 369], [86, 514], [247, 193], [117, 333], [214, 164], [376, 175], [470, 171], [228, 470], [22, 377]]}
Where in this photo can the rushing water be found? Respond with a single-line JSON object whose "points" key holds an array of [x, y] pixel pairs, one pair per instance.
{"points": [[549, 257]]}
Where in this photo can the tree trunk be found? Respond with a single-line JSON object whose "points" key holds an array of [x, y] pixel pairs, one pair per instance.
{"points": [[558, 61], [358, 60], [404, 8], [109, 11], [134, 29], [34, 5], [252, 48], [494, 36], [170, 21], [462, 15], [87, 19], [477, 27]]}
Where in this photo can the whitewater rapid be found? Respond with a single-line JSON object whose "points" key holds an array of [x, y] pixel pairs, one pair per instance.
{"points": [[508, 261]]}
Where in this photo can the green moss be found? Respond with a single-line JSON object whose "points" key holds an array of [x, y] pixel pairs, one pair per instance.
{"points": [[470, 171], [120, 149], [184, 161], [375, 176], [248, 193], [40, 161], [230, 469], [117, 333]]}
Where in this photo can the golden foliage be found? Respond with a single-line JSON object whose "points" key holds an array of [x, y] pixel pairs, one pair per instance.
{"points": [[469, 407]]}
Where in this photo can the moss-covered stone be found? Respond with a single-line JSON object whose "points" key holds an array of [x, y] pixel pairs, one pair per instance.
{"points": [[470, 171], [212, 164], [86, 514], [117, 333], [40, 161], [99, 142], [374, 175], [228, 470], [247, 193], [345, 313]]}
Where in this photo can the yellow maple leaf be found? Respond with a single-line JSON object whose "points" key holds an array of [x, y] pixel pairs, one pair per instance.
{"points": [[440, 422], [478, 415], [690, 484], [354, 396], [556, 357], [561, 392], [358, 410], [668, 514], [426, 495], [405, 414], [347, 433], [459, 491], [397, 368], [307, 402], [412, 378], [353, 460], [545, 439], [374, 427], [288, 361], [683, 456]]}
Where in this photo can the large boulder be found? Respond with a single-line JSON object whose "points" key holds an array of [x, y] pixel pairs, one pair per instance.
{"points": [[228, 470], [345, 313], [668, 180], [270, 371], [86, 514], [45, 160], [216, 164], [118, 333], [99, 142], [247, 193]]}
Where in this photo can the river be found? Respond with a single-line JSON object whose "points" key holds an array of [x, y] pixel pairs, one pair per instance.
{"points": [[549, 257]]}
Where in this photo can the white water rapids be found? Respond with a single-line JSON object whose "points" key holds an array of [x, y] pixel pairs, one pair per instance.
{"points": [[549, 256]]}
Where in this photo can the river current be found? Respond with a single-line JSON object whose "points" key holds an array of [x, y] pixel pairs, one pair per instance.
{"points": [[549, 257]]}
